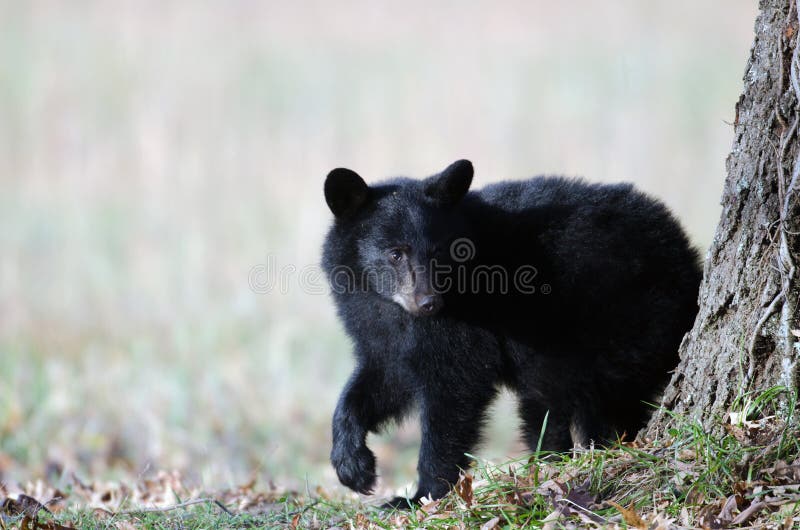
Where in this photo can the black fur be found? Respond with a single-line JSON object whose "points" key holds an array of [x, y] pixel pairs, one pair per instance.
{"points": [[589, 336]]}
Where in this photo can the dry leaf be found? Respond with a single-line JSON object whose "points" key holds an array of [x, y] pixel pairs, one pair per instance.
{"points": [[430, 507], [749, 512], [51, 525], [726, 515], [785, 473], [685, 520], [661, 522], [464, 489], [581, 497], [438, 517], [400, 521], [629, 515], [361, 522]]}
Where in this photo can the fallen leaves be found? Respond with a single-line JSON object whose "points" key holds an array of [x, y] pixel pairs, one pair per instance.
{"points": [[22, 508], [632, 486], [27, 508], [783, 473], [22, 505], [569, 501]]}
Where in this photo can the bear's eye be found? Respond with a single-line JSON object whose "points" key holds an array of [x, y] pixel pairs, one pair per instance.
{"points": [[396, 255]]}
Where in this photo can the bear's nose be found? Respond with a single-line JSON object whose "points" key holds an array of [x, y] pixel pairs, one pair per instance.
{"points": [[429, 304]]}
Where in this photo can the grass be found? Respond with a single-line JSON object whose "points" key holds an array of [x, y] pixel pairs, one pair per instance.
{"points": [[690, 478]]}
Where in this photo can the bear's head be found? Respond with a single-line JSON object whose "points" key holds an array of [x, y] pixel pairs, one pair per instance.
{"points": [[394, 238]]}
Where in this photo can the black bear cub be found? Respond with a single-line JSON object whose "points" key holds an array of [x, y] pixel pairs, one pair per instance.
{"points": [[573, 295]]}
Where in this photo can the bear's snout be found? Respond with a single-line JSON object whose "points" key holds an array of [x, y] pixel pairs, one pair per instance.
{"points": [[427, 304]]}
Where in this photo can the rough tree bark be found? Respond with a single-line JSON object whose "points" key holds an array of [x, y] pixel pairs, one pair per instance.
{"points": [[745, 337]]}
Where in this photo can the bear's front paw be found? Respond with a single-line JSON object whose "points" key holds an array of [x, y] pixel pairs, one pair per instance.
{"points": [[355, 468]]}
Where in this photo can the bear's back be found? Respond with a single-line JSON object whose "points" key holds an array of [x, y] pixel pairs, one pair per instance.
{"points": [[612, 258]]}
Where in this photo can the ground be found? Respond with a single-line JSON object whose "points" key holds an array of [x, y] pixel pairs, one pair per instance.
{"points": [[748, 476]]}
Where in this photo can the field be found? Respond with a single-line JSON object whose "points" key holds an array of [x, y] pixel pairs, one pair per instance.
{"points": [[161, 204]]}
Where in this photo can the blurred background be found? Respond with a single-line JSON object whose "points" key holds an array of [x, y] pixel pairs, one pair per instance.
{"points": [[159, 161]]}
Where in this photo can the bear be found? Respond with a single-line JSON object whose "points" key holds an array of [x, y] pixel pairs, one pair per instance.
{"points": [[573, 295]]}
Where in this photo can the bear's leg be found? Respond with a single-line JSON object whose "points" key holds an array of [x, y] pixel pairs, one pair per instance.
{"points": [[587, 427], [607, 421], [368, 400], [451, 426], [556, 436]]}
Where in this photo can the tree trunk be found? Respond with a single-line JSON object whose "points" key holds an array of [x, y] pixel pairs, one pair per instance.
{"points": [[745, 337]]}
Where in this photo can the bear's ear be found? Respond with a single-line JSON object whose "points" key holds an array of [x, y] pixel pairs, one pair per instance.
{"points": [[345, 192], [450, 186]]}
